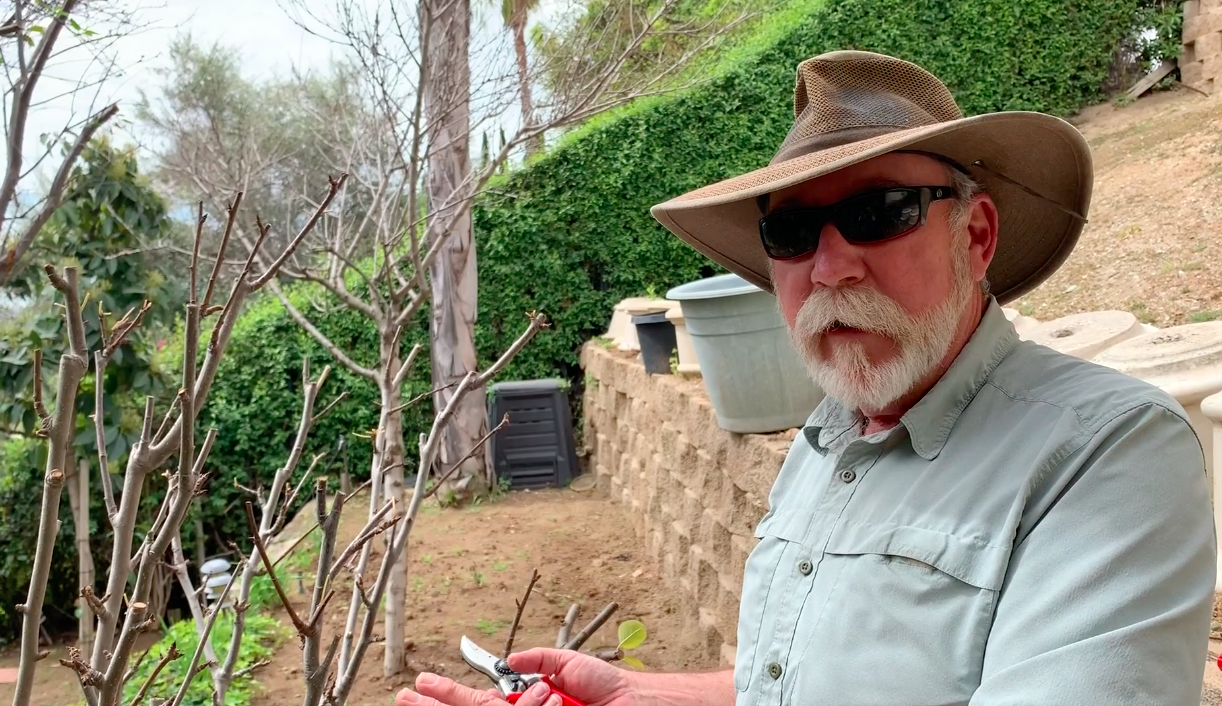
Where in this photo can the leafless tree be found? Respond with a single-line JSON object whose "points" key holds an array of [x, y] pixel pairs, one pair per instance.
{"points": [[124, 611], [42, 42], [400, 244]]}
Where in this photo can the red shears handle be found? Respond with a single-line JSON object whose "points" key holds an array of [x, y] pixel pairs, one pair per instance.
{"points": [[565, 699]]}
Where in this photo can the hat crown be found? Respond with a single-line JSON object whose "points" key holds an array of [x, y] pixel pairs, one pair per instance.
{"points": [[846, 96]]}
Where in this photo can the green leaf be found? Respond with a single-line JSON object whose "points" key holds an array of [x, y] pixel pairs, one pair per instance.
{"points": [[631, 634], [633, 662], [37, 28]]}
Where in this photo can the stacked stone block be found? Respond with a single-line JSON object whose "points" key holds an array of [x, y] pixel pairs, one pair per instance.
{"points": [[694, 492], [1201, 60]]}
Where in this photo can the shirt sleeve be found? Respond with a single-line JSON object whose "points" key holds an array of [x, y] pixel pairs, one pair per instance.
{"points": [[1108, 597]]}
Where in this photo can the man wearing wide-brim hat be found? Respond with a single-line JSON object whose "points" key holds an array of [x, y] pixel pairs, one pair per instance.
{"points": [[967, 518]]}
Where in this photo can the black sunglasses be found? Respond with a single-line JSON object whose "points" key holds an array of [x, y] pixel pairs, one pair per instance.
{"points": [[872, 217]]}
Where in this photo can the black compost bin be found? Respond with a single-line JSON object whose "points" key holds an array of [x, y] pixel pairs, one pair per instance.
{"points": [[537, 449]]}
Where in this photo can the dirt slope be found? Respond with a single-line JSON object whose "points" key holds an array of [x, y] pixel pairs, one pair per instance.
{"points": [[1153, 245]]}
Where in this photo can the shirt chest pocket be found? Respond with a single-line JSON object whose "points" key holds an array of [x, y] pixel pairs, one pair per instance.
{"points": [[905, 610]]}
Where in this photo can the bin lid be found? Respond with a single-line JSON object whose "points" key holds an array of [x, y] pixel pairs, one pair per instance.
{"points": [[544, 385], [658, 318], [712, 288]]}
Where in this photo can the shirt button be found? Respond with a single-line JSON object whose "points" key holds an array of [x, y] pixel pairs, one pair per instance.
{"points": [[774, 670], [848, 475], [805, 567]]}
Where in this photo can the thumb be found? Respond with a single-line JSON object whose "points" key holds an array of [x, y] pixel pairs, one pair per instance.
{"points": [[542, 660]]}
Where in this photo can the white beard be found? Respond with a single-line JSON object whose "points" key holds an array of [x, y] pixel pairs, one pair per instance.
{"points": [[921, 342]]}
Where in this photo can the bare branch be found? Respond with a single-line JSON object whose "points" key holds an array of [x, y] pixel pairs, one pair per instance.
{"points": [[562, 637], [321, 337], [302, 628], [72, 367], [336, 185], [40, 408], [517, 618], [504, 423], [170, 655], [589, 630], [203, 641], [220, 254], [12, 259], [401, 373]]}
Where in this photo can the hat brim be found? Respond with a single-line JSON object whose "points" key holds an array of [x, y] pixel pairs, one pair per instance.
{"points": [[1038, 227]]}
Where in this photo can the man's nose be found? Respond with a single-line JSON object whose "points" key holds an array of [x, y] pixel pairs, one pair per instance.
{"points": [[837, 262]]}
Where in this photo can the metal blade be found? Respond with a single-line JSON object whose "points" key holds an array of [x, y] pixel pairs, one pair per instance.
{"points": [[481, 660]]}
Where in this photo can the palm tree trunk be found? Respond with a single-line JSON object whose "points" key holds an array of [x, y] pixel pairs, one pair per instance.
{"points": [[535, 144], [453, 273]]}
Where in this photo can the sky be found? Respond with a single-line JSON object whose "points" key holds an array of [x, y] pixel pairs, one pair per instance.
{"points": [[268, 40]]}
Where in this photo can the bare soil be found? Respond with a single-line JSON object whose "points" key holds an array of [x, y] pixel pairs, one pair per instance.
{"points": [[1153, 244], [467, 567]]}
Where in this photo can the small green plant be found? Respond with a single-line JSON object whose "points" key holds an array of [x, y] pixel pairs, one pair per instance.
{"points": [[457, 551], [489, 627], [417, 584], [1192, 266], [632, 635], [478, 578], [426, 559], [1026, 310], [1201, 317], [1198, 247], [1127, 231], [522, 554], [500, 565], [1138, 308], [674, 363]]}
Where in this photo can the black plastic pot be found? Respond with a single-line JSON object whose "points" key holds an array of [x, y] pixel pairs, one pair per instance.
{"points": [[656, 335]]}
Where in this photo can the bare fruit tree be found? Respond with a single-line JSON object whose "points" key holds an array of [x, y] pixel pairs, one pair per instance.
{"points": [[35, 38], [331, 662]]}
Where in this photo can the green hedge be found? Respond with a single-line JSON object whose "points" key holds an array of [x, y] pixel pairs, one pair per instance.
{"points": [[571, 235]]}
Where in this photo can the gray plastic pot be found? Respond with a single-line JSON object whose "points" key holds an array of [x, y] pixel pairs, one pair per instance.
{"points": [[755, 379]]}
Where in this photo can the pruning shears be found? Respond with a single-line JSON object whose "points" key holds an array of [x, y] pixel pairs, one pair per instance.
{"points": [[511, 684]]}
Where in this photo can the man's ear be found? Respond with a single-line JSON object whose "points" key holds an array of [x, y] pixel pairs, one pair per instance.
{"points": [[982, 230]]}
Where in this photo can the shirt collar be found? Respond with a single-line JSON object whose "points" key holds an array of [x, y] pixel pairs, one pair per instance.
{"points": [[930, 420]]}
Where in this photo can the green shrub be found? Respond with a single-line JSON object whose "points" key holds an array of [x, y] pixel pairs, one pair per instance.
{"points": [[261, 636], [22, 465]]}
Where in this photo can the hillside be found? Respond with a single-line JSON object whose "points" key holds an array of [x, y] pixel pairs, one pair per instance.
{"points": [[1153, 245]]}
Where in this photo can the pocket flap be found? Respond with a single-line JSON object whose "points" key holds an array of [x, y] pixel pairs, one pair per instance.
{"points": [[789, 526], [971, 561]]}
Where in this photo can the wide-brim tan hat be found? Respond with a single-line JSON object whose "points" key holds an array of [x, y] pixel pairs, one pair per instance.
{"points": [[851, 106]]}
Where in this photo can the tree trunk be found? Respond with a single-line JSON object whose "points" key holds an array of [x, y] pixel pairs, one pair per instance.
{"points": [[453, 274], [78, 500], [534, 145], [389, 459]]}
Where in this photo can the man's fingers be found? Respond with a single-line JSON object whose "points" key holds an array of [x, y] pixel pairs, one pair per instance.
{"points": [[541, 660], [439, 690]]}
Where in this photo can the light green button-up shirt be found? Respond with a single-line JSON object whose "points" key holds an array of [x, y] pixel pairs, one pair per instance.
{"points": [[1037, 531]]}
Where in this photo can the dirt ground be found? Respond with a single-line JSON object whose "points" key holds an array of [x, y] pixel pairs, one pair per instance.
{"points": [[467, 567], [1153, 244]]}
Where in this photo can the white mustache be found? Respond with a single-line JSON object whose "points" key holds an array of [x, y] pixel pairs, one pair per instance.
{"points": [[861, 308]]}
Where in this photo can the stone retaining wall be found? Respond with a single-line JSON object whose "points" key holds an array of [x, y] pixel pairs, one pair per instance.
{"points": [[1201, 60], [694, 492]]}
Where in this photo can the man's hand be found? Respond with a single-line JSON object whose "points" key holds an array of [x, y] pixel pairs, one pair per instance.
{"points": [[585, 678]]}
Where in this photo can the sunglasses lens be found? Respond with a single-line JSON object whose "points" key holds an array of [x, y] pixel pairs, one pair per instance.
{"points": [[879, 216], [869, 218], [790, 235]]}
